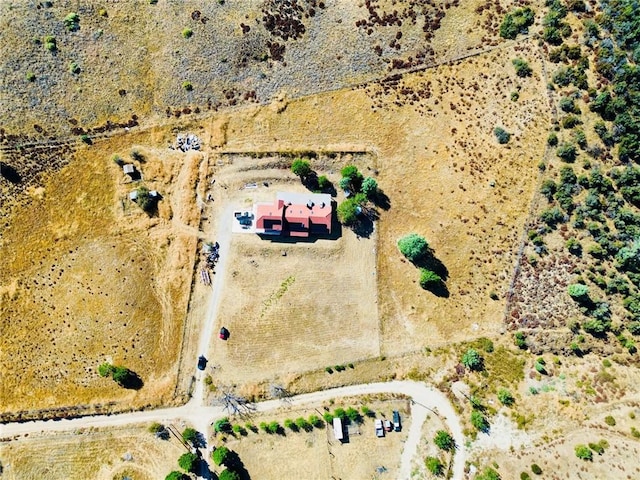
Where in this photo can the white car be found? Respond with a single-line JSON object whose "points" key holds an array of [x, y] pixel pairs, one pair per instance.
{"points": [[379, 428]]}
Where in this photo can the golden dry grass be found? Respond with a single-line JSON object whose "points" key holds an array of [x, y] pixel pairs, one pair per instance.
{"points": [[89, 277], [95, 454]]}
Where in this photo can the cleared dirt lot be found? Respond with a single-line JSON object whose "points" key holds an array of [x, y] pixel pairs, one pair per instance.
{"points": [[312, 307]]}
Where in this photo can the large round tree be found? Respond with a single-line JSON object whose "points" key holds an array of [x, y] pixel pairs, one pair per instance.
{"points": [[413, 246]]}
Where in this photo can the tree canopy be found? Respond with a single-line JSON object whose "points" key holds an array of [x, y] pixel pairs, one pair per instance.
{"points": [[190, 435], [413, 246], [301, 168], [220, 455], [444, 440], [229, 475], [188, 461], [472, 359]]}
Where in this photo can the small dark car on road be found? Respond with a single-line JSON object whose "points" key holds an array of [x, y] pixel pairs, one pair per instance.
{"points": [[202, 362]]}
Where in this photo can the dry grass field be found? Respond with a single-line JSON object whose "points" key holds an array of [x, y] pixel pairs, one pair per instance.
{"points": [[317, 454], [87, 277], [95, 454], [445, 174]]}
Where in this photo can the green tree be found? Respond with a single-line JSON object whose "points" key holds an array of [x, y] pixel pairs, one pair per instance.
{"points": [[220, 455], [479, 421], [301, 168], [353, 415], [188, 461], [434, 465], [472, 359], [315, 421], [516, 22], [175, 475], [578, 291], [628, 258], [121, 375], [144, 199], [302, 424], [505, 397], [444, 441], [535, 468], [190, 435], [413, 246], [222, 425], [105, 369], [583, 452], [229, 475], [324, 183], [567, 152], [369, 187], [340, 413], [522, 67], [290, 424], [429, 279], [156, 427]]}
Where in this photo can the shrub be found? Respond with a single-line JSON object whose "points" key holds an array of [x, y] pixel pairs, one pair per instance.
{"points": [[328, 417], [567, 105], [548, 189], [570, 121], [222, 425], [340, 413], [479, 421], [472, 359], [444, 441], [609, 420], [434, 465], [301, 168], [187, 33], [524, 476], [413, 246], [175, 475], [323, 183], [519, 340], [552, 216], [50, 43], [72, 22], [353, 415], [273, 427], [315, 421], [369, 187], [105, 369], [190, 435], [349, 210], [516, 22], [488, 474], [188, 86], [227, 474], [536, 469], [567, 152], [635, 433], [220, 455], [501, 135], [578, 291], [552, 139], [290, 424], [583, 452], [522, 67], [505, 397], [144, 199], [329, 370], [188, 461], [429, 279], [302, 424], [31, 77], [74, 68]]}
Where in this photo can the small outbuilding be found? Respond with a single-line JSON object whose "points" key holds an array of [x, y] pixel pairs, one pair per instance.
{"points": [[129, 169], [338, 431]]}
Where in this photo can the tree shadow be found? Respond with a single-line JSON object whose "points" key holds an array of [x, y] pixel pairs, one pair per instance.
{"points": [[433, 263], [380, 199], [131, 381], [200, 441], [234, 463], [10, 173]]}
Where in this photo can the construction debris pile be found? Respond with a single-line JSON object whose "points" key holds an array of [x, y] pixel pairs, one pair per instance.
{"points": [[187, 142]]}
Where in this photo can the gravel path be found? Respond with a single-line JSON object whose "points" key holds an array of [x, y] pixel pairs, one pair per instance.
{"points": [[425, 399]]}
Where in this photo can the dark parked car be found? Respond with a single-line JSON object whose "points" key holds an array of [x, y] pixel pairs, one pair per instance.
{"points": [[224, 333], [396, 421], [202, 362]]}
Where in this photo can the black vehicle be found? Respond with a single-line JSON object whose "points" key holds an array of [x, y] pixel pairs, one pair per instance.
{"points": [[202, 362], [396, 421]]}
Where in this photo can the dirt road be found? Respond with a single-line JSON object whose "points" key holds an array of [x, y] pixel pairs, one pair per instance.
{"points": [[424, 399]]}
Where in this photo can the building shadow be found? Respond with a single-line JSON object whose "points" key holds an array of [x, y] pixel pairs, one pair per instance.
{"points": [[10, 173]]}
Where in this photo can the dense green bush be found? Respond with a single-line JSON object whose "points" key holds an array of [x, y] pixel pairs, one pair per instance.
{"points": [[578, 291], [583, 452], [444, 441], [552, 139], [188, 461], [567, 152], [516, 22], [370, 187], [519, 340], [301, 168], [414, 247], [429, 279], [505, 397], [220, 455], [72, 22], [522, 67], [552, 217], [434, 465], [472, 360]]}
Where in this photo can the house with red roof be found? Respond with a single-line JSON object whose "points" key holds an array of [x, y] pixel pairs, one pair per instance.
{"points": [[295, 215]]}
